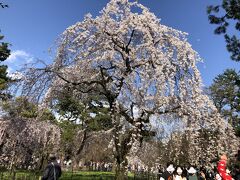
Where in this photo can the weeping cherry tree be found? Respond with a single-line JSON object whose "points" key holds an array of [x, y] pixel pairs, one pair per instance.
{"points": [[141, 68]]}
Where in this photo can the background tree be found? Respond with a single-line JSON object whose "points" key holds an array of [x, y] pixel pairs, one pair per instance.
{"points": [[92, 112], [79, 117], [223, 15], [226, 96], [27, 144], [2, 5], [4, 54], [142, 69], [4, 79], [21, 107]]}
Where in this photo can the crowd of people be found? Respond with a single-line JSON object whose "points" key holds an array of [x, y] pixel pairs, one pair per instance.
{"points": [[221, 172], [98, 166]]}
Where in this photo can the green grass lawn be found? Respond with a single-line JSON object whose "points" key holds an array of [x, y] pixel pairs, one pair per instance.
{"points": [[87, 175], [82, 175]]}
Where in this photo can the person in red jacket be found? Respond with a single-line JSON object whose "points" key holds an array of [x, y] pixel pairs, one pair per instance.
{"points": [[222, 168]]}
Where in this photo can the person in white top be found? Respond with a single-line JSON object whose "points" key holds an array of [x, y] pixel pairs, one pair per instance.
{"points": [[178, 174]]}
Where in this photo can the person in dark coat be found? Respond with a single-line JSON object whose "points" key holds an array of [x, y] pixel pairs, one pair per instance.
{"points": [[168, 174], [53, 170], [202, 174], [237, 172]]}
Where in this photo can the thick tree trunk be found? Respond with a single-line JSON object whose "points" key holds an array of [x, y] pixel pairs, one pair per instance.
{"points": [[121, 160], [77, 156], [121, 172], [82, 144], [122, 146]]}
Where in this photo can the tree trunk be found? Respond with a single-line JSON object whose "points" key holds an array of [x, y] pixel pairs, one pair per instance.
{"points": [[122, 146], [77, 156], [41, 166], [121, 172]]}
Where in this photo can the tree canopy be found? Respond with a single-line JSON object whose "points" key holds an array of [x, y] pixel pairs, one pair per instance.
{"points": [[89, 112], [226, 96], [223, 15], [4, 79], [3, 5], [141, 68], [4, 54]]}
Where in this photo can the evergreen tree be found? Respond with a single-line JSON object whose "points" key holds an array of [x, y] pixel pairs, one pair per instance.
{"points": [[92, 112], [4, 79], [226, 96], [222, 15]]}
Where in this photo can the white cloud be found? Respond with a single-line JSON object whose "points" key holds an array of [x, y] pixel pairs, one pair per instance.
{"points": [[16, 61], [19, 54]]}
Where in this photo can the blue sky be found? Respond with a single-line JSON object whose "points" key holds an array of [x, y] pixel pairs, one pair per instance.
{"points": [[32, 27]]}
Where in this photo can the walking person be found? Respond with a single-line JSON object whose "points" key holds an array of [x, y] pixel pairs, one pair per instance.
{"points": [[53, 170]]}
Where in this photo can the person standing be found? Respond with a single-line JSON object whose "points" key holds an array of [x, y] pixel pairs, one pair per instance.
{"points": [[178, 174], [53, 170], [168, 174], [202, 174], [192, 173], [221, 167], [237, 173], [159, 171]]}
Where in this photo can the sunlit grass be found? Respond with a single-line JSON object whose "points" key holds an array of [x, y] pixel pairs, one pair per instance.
{"points": [[83, 175]]}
